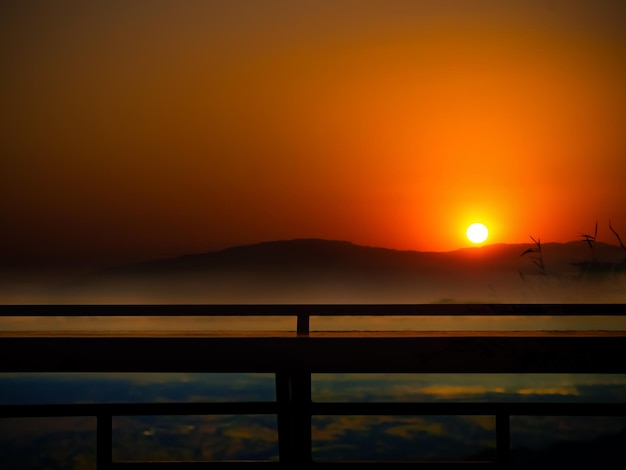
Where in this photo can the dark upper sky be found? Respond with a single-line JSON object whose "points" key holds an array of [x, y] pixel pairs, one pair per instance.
{"points": [[137, 130]]}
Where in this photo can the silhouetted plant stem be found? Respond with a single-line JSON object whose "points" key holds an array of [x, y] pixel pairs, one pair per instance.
{"points": [[617, 236], [538, 258], [591, 240]]}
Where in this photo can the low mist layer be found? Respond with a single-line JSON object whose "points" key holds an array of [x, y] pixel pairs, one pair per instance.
{"points": [[323, 271]]}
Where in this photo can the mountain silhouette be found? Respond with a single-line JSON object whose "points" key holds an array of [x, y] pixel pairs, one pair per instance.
{"points": [[324, 271]]}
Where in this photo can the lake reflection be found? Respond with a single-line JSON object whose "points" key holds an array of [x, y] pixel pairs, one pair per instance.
{"points": [[196, 324], [336, 437]]}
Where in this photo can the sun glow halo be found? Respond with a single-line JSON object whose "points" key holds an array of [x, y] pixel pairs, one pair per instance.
{"points": [[477, 233]]}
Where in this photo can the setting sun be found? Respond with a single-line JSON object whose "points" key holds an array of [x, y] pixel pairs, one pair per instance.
{"points": [[477, 233]]}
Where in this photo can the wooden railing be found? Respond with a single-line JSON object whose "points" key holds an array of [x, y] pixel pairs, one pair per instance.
{"points": [[293, 356]]}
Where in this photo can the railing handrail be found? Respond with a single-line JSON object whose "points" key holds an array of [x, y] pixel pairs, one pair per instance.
{"points": [[294, 310], [293, 360], [397, 408]]}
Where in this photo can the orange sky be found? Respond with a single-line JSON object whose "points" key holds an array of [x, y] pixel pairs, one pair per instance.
{"points": [[139, 130]]}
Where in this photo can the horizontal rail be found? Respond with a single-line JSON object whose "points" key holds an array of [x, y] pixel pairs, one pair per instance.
{"points": [[185, 465], [293, 359], [447, 354], [306, 409], [254, 464], [294, 310], [317, 408]]}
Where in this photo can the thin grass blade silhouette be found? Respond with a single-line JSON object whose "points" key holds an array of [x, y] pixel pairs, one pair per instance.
{"points": [[529, 250], [537, 260], [590, 239], [619, 239]]}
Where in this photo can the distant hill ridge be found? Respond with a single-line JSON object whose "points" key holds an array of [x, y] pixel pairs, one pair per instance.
{"points": [[296, 254], [318, 270], [314, 253]]}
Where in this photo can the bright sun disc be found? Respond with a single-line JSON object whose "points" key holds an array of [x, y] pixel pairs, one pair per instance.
{"points": [[477, 233]]}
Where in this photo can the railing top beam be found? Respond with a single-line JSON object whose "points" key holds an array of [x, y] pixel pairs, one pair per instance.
{"points": [[312, 309], [576, 354], [432, 408]]}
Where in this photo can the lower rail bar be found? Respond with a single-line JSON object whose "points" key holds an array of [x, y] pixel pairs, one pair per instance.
{"points": [[293, 359], [294, 410]]}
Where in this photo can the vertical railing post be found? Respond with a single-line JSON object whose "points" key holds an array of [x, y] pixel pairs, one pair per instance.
{"points": [[286, 450], [503, 440], [301, 402], [104, 441], [293, 394], [302, 327]]}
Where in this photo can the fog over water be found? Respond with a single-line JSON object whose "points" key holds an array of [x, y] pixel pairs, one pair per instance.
{"points": [[314, 271]]}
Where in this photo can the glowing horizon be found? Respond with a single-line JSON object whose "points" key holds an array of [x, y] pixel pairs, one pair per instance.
{"points": [[133, 132]]}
